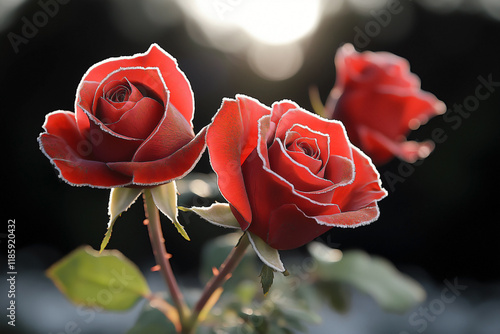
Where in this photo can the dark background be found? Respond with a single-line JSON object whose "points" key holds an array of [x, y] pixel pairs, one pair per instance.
{"points": [[443, 219]]}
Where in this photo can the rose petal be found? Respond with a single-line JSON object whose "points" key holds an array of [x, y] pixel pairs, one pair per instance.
{"points": [[267, 191], [383, 148], [174, 78], [147, 78], [297, 174], [356, 218], [377, 91], [290, 228], [85, 92], [313, 165], [251, 111], [280, 108], [172, 133], [109, 146], [333, 129], [161, 171], [323, 145], [109, 113], [139, 121], [367, 67], [233, 134], [364, 190], [68, 151]]}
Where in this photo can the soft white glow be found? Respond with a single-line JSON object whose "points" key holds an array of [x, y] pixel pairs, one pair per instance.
{"points": [[278, 21], [269, 32], [275, 62], [268, 21], [200, 188]]}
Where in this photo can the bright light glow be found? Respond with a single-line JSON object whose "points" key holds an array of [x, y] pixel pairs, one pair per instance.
{"points": [[269, 32], [268, 21], [275, 62], [278, 21]]}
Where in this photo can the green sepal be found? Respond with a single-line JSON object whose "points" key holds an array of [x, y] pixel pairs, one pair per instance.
{"points": [[120, 199], [165, 199], [266, 253], [218, 214]]}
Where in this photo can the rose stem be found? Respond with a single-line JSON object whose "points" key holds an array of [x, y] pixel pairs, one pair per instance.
{"points": [[160, 252], [226, 268]]}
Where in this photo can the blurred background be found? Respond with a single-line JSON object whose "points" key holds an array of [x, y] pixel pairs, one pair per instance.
{"points": [[441, 223]]}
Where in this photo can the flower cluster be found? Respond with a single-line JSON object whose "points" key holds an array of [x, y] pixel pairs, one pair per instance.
{"points": [[288, 175]]}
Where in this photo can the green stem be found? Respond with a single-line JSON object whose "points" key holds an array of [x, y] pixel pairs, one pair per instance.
{"points": [[226, 268], [161, 255]]}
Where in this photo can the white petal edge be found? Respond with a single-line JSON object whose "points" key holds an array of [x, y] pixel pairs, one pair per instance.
{"points": [[165, 198], [266, 253], [219, 214]]}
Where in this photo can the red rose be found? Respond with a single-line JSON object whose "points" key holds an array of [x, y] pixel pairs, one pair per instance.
{"points": [[132, 126], [289, 175], [379, 101]]}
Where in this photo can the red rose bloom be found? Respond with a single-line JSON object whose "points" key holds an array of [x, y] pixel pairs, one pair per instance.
{"points": [[379, 101], [289, 175], [132, 126]]}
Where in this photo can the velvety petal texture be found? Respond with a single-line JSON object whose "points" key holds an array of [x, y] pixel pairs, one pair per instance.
{"points": [[380, 101], [132, 125], [290, 175]]}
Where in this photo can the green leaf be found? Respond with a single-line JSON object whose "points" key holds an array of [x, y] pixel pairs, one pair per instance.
{"points": [[336, 294], [107, 280], [377, 277], [152, 321], [266, 253], [219, 214], [120, 199], [165, 198], [266, 278]]}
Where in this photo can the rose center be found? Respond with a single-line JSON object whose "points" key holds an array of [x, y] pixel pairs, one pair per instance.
{"points": [[307, 146], [119, 93]]}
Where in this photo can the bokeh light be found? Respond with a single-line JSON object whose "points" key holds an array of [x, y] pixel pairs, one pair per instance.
{"points": [[267, 33], [275, 62]]}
